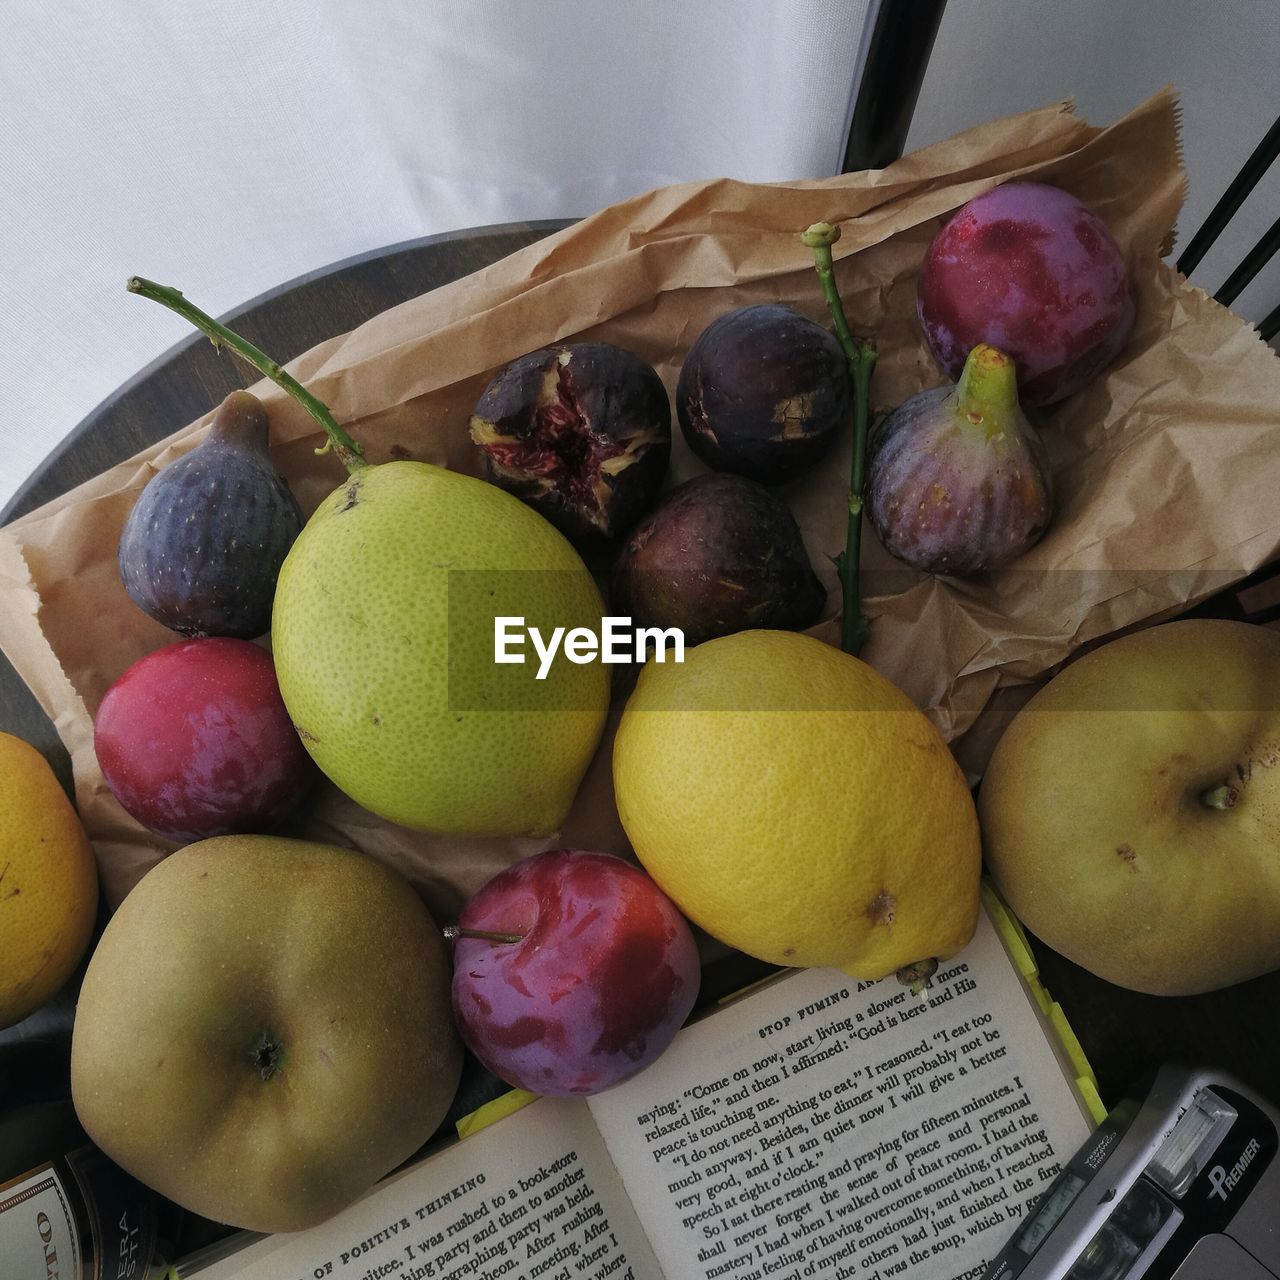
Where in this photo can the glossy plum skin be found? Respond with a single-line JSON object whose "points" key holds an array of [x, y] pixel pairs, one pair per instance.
{"points": [[604, 976], [1029, 269], [194, 741]]}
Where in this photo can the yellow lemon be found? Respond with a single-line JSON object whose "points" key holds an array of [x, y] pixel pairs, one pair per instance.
{"points": [[48, 882], [796, 805], [385, 635]]}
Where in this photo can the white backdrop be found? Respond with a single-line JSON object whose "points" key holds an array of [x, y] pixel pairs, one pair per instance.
{"points": [[995, 57], [226, 147]]}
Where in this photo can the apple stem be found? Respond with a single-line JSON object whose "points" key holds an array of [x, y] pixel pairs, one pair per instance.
{"points": [[860, 356], [1223, 797], [917, 975], [267, 1055], [337, 440], [452, 931]]}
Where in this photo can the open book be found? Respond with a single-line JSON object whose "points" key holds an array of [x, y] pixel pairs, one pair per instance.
{"points": [[815, 1126]]}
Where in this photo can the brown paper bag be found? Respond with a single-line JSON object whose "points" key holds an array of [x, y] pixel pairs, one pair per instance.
{"points": [[1165, 469]]}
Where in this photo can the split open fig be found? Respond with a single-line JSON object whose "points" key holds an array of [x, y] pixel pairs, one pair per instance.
{"points": [[581, 432]]}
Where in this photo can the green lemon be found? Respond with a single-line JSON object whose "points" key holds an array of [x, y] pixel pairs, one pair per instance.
{"points": [[383, 633], [384, 629]]}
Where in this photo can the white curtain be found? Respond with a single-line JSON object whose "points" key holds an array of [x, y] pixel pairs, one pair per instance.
{"points": [[227, 146]]}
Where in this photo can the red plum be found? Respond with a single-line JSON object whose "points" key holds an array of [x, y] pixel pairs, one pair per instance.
{"points": [[586, 973], [1027, 268], [194, 741]]}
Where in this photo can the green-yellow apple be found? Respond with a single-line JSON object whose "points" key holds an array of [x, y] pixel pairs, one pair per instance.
{"points": [[1131, 811], [264, 1030]]}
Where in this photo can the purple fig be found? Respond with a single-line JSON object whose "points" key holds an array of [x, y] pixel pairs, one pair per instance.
{"points": [[763, 392], [202, 547], [581, 432], [721, 554], [957, 478]]}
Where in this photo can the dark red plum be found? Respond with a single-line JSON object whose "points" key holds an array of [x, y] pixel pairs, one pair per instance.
{"points": [[721, 554], [763, 392], [1028, 269], [202, 547], [581, 432], [957, 479], [194, 741], [601, 974]]}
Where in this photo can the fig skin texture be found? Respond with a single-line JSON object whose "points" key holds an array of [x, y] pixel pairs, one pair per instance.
{"points": [[763, 392], [1030, 270], [721, 554], [957, 478], [580, 432], [202, 547]]}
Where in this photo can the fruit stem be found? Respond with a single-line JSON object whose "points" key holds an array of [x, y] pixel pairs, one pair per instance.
{"points": [[268, 1055], [452, 931], [1223, 797], [860, 355], [987, 393], [350, 453], [917, 975]]}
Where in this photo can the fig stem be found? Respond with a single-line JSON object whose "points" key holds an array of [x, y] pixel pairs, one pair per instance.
{"points": [[987, 393], [452, 931], [860, 356], [336, 439]]}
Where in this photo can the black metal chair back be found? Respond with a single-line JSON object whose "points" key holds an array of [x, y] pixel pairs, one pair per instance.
{"points": [[897, 55], [1222, 213]]}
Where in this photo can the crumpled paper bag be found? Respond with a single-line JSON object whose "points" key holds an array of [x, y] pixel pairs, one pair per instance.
{"points": [[1166, 469]]}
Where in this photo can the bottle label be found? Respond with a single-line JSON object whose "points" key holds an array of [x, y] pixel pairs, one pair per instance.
{"points": [[39, 1235], [79, 1218]]}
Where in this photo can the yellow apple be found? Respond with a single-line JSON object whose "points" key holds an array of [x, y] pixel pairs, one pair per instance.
{"points": [[264, 1030], [1131, 812]]}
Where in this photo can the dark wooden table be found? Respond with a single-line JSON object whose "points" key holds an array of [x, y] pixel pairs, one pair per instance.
{"points": [[1122, 1032]]}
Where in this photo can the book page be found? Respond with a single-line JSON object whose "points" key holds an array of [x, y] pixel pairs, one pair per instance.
{"points": [[825, 1127], [532, 1197]]}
